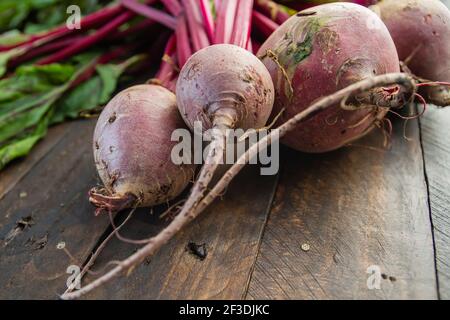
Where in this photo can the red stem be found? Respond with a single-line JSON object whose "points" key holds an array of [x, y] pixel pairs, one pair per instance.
{"points": [[225, 21], [272, 10], [66, 41], [208, 19], [88, 41], [173, 6], [196, 29], [44, 49], [88, 22], [255, 45], [264, 24], [150, 13], [242, 24], [184, 50], [217, 4], [167, 68], [134, 29]]}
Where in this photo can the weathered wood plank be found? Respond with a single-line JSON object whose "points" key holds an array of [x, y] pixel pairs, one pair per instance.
{"points": [[230, 228], [55, 205], [18, 169], [435, 129], [355, 208]]}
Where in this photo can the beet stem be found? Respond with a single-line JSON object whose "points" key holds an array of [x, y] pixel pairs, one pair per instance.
{"points": [[173, 6], [88, 41], [242, 24], [90, 21], [167, 68], [150, 13], [208, 19], [195, 23], [134, 29], [225, 21], [264, 24], [44, 49], [272, 10], [184, 50]]}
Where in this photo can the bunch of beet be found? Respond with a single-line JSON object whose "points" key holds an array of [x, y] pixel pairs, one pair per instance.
{"points": [[316, 74]]}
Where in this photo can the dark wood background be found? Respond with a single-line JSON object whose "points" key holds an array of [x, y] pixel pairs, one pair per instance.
{"points": [[357, 207]]}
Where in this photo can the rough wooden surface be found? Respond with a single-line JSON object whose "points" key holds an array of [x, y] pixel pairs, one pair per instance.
{"points": [[231, 230], [17, 170], [51, 198], [435, 129], [355, 208]]}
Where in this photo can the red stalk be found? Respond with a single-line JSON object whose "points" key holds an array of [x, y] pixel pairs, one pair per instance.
{"points": [[167, 68], [196, 29], [88, 41], [66, 41], [242, 24], [137, 28], [208, 19], [173, 6], [44, 49], [264, 24], [255, 45], [88, 22], [225, 21], [272, 10], [150, 13], [217, 4], [184, 50]]}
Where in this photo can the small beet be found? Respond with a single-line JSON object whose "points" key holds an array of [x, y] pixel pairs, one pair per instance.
{"points": [[132, 150]]}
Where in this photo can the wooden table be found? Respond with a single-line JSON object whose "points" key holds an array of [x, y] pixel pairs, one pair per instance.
{"points": [[313, 231]]}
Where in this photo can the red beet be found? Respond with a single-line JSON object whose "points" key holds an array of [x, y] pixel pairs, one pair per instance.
{"points": [[421, 32], [319, 51], [132, 150], [225, 82], [223, 87]]}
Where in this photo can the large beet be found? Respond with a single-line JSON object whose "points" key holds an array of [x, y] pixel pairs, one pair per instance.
{"points": [[421, 32], [132, 149], [319, 51]]}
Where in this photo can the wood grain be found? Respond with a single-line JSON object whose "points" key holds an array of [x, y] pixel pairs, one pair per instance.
{"points": [[435, 129], [355, 208], [15, 171], [54, 203], [230, 228]]}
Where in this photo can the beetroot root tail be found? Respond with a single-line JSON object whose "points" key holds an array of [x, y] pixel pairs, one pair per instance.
{"points": [[105, 202]]}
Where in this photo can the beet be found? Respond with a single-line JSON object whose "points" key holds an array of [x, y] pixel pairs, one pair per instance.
{"points": [[223, 87], [225, 81], [421, 32], [319, 51], [132, 150]]}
